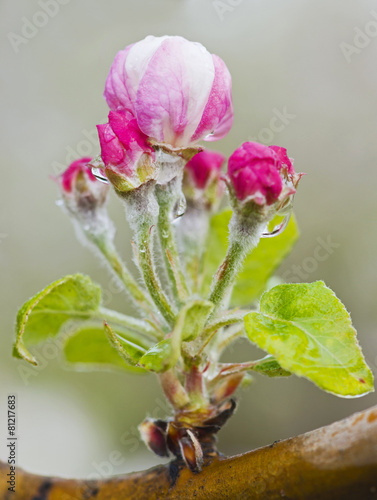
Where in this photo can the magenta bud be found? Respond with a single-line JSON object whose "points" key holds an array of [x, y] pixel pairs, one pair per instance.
{"points": [[154, 436], [204, 167], [128, 158]]}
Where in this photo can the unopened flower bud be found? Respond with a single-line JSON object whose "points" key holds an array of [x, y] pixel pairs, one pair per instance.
{"points": [[201, 184], [261, 179], [84, 197], [80, 190], [177, 91], [128, 158]]}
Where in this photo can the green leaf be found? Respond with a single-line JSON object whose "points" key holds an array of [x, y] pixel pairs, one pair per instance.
{"points": [[190, 322], [270, 367], [128, 350], [158, 358], [44, 314], [89, 349], [192, 318], [259, 265], [308, 330]]}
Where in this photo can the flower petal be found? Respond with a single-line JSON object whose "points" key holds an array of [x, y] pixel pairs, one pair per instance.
{"points": [[217, 117], [174, 90]]}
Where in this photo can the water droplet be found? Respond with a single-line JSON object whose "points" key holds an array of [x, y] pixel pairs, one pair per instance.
{"points": [[59, 203], [180, 208], [97, 172], [278, 229]]}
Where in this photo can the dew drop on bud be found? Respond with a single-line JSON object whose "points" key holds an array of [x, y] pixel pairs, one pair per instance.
{"points": [[99, 175]]}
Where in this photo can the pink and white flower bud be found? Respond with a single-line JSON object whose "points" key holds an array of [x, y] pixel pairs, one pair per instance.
{"points": [[177, 91], [128, 158], [81, 191], [262, 174]]}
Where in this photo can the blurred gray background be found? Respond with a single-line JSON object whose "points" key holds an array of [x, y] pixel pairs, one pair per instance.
{"points": [[304, 76]]}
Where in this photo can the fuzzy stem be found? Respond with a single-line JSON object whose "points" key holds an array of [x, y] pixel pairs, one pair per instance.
{"points": [[244, 236], [151, 279], [139, 297], [168, 196], [142, 213]]}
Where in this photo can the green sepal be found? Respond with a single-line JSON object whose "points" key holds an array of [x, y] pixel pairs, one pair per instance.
{"points": [[309, 332]]}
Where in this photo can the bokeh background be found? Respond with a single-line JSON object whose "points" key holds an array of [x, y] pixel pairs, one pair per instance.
{"points": [[313, 66]]}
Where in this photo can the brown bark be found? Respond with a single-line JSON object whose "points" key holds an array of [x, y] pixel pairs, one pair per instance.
{"points": [[334, 462]]}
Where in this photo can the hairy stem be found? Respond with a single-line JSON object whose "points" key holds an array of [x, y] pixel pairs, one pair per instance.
{"points": [[139, 297], [152, 282], [169, 196], [244, 236]]}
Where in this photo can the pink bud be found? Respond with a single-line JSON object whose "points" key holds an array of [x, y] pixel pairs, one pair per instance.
{"points": [[80, 189], [285, 162], [177, 91], [69, 177], [263, 174], [204, 166], [126, 154]]}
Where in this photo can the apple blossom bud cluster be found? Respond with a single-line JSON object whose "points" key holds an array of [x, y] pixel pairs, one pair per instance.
{"points": [[165, 94]]}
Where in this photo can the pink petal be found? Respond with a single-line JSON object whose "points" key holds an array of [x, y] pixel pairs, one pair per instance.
{"points": [[69, 175], [174, 90], [283, 158], [112, 152], [217, 118]]}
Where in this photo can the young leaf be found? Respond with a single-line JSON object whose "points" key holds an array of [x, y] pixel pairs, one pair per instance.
{"points": [[129, 351], [308, 330], [42, 316], [158, 358], [190, 323], [89, 349], [192, 318], [270, 367], [259, 265]]}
